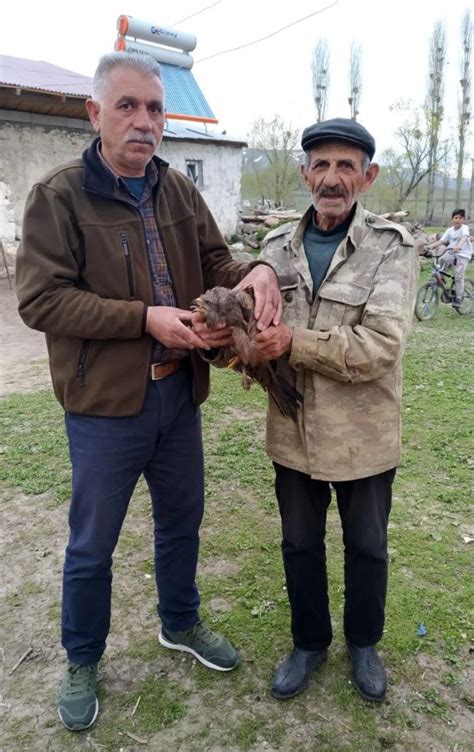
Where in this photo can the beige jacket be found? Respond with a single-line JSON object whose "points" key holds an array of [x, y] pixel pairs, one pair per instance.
{"points": [[347, 349]]}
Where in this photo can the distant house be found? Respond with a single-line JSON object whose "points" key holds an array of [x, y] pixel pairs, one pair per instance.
{"points": [[43, 122]]}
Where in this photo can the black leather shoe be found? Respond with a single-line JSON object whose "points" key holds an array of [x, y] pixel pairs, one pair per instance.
{"points": [[368, 672], [293, 675]]}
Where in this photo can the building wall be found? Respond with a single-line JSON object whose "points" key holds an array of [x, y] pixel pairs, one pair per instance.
{"points": [[27, 151], [222, 168], [30, 145]]}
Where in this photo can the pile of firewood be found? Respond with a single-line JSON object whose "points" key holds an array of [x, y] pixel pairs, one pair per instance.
{"points": [[254, 225]]}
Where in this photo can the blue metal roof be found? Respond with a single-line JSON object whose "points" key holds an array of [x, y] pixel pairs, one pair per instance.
{"points": [[182, 93]]}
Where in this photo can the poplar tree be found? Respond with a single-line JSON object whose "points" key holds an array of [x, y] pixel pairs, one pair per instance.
{"points": [[464, 108], [434, 106], [320, 71], [355, 79]]}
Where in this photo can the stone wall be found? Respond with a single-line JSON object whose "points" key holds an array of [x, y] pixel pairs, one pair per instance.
{"points": [[27, 151], [30, 145]]}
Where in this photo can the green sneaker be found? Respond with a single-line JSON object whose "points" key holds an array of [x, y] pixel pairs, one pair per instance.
{"points": [[77, 704], [210, 648]]}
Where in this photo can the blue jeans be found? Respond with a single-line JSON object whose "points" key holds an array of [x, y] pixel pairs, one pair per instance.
{"points": [[108, 456]]}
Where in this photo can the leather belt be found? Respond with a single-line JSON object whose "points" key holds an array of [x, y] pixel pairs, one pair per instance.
{"points": [[162, 370]]}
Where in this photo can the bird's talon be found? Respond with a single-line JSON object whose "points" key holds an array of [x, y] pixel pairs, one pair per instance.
{"points": [[233, 362]]}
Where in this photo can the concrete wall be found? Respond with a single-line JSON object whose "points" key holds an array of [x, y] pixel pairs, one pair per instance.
{"points": [[30, 145]]}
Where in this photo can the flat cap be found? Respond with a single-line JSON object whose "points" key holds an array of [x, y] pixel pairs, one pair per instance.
{"points": [[339, 129]]}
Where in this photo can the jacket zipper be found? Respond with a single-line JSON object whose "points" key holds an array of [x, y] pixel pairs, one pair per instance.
{"points": [[81, 363], [128, 262]]}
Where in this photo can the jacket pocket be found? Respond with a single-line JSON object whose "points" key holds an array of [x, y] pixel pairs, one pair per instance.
{"points": [[128, 262], [342, 304], [295, 307], [82, 362], [289, 293]]}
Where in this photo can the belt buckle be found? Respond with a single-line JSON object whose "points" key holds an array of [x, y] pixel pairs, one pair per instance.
{"points": [[153, 375], [168, 369]]}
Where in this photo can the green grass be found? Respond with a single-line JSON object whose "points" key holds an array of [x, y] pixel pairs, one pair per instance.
{"points": [[161, 704], [242, 583], [434, 230], [33, 454]]}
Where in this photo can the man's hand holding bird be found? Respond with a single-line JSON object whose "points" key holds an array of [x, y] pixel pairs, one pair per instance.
{"points": [[231, 326]]}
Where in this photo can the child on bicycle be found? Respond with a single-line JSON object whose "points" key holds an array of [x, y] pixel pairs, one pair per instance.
{"points": [[458, 251]]}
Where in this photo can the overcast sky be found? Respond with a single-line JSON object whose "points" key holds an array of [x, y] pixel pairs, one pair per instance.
{"points": [[273, 76]]}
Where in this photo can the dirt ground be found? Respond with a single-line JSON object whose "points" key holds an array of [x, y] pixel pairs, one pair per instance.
{"points": [[32, 540], [24, 358]]}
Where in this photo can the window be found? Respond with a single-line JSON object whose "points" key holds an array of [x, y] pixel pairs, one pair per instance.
{"points": [[194, 171]]}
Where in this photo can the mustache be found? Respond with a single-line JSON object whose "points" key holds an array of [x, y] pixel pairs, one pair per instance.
{"points": [[142, 138], [331, 193]]}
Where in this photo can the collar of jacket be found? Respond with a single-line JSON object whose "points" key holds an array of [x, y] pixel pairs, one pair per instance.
{"points": [[99, 180], [354, 233], [358, 226]]}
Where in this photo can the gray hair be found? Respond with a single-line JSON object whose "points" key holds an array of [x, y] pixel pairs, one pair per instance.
{"points": [[143, 63], [365, 160]]}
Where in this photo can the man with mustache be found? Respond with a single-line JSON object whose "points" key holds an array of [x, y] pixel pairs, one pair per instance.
{"points": [[115, 247], [348, 280]]}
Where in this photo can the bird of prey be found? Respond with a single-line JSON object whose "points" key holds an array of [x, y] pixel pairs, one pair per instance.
{"points": [[235, 308]]}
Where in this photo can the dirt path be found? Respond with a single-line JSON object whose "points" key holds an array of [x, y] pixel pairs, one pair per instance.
{"points": [[24, 358]]}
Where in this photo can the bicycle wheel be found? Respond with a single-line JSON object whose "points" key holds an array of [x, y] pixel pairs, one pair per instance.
{"points": [[427, 301], [467, 304]]}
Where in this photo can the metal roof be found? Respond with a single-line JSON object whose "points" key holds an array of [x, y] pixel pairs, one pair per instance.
{"points": [[180, 131], [36, 74], [184, 98], [183, 95]]}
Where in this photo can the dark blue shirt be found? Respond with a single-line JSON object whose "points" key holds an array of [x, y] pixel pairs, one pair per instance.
{"points": [[136, 186], [320, 247]]}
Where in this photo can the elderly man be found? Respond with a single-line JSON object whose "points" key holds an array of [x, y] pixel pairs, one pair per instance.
{"points": [[348, 280], [115, 247]]}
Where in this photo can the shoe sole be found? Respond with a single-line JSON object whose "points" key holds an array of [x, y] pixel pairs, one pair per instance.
{"points": [[358, 689], [367, 697], [186, 649], [300, 689], [293, 694], [82, 727]]}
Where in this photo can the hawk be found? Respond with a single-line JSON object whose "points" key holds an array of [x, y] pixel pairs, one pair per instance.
{"points": [[235, 308]]}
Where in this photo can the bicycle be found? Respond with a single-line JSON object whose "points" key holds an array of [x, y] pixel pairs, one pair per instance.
{"points": [[441, 288]]}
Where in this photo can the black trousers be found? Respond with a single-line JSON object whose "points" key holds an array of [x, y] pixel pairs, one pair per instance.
{"points": [[364, 508]]}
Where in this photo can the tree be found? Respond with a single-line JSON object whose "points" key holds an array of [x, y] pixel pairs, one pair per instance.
{"points": [[434, 106], [446, 172], [355, 79], [277, 141], [464, 109], [320, 70], [402, 172]]}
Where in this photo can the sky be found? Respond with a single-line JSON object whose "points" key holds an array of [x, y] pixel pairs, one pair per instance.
{"points": [[272, 76]]}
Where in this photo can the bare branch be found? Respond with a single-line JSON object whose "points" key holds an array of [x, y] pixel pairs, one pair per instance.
{"points": [[278, 141]]}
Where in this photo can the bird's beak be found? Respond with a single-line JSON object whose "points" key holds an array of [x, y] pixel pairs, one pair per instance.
{"points": [[197, 304]]}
